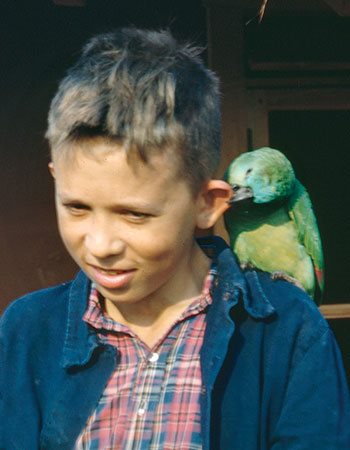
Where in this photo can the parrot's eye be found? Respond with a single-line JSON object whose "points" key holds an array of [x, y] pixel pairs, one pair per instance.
{"points": [[235, 187]]}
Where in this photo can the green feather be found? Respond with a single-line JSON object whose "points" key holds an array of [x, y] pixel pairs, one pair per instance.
{"points": [[301, 212], [275, 230]]}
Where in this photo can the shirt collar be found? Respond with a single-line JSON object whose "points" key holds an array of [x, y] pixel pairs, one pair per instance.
{"points": [[99, 320], [229, 286]]}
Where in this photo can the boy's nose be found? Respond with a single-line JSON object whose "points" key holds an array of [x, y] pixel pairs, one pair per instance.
{"points": [[103, 245]]}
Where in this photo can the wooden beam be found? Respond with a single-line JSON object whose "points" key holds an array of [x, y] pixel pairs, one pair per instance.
{"points": [[342, 7], [336, 311], [297, 66]]}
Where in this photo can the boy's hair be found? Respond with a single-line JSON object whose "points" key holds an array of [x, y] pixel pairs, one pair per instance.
{"points": [[145, 90]]}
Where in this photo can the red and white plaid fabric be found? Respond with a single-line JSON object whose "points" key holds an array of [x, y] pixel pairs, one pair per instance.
{"points": [[152, 400]]}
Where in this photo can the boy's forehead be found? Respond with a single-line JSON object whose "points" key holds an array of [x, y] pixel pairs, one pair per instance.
{"points": [[160, 160]]}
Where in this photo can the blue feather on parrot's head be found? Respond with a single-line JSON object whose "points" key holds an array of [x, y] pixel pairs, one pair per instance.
{"points": [[264, 175]]}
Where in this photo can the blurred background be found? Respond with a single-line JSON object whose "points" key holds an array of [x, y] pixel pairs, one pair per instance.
{"points": [[285, 83]]}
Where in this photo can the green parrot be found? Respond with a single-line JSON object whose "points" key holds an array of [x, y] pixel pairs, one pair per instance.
{"points": [[271, 223]]}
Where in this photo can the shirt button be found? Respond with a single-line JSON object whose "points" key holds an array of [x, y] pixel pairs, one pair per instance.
{"points": [[141, 411], [153, 358]]}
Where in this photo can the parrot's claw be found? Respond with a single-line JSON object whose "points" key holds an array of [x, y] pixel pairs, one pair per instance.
{"points": [[284, 276], [246, 266]]}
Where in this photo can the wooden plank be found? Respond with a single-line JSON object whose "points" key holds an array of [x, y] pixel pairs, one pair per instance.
{"points": [[293, 66], [336, 311], [342, 7]]}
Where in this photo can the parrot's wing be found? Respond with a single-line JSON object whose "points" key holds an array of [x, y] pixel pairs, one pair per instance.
{"points": [[301, 212]]}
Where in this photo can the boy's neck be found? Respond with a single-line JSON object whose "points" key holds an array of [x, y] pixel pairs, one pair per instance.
{"points": [[152, 317]]}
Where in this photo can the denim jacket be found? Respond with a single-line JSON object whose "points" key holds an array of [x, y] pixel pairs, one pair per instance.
{"points": [[271, 370]]}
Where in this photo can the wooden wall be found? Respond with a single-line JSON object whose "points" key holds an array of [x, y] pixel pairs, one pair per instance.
{"points": [[39, 41]]}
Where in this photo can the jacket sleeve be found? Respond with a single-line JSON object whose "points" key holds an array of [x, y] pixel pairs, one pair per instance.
{"points": [[19, 411], [316, 408]]}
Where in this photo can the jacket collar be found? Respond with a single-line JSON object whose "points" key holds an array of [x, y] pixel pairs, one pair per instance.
{"points": [[80, 341], [230, 285]]}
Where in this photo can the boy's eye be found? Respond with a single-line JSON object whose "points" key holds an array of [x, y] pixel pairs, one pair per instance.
{"points": [[75, 208], [136, 216]]}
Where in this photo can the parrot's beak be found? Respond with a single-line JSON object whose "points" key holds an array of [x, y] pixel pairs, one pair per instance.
{"points": [[240, 193]]}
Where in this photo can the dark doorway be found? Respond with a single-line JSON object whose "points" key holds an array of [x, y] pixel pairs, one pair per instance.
{"points": [[318, 145]]}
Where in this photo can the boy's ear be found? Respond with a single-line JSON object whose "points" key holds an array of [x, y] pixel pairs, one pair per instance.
{"points": [[51, 169], [214, 201]]}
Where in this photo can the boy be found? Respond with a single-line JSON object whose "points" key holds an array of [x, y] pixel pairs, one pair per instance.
{"points": [[161, 342]]}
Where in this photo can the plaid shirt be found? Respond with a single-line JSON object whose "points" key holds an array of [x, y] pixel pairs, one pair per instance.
{"points": [[152, 400]]}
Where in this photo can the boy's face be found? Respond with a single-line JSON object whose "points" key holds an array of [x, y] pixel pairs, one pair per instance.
{"points": [[128, 226]]}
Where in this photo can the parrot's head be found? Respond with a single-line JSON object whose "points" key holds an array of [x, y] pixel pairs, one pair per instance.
{"points": [[263, 175]]}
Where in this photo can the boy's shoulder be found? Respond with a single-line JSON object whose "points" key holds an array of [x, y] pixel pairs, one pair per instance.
{"points": [[293, 310], [48, 322], [38, 307], [264, 298], [285, 296]]}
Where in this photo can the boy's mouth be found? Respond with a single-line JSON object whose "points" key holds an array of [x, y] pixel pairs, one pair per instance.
{"points": [[111, 278], [111, 271]]}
